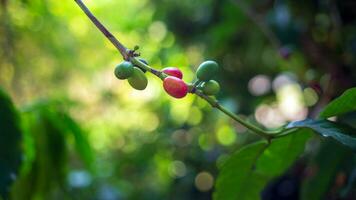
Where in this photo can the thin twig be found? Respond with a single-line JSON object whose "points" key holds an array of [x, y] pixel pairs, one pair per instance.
{"points": [[214, 103], [122, 49]]}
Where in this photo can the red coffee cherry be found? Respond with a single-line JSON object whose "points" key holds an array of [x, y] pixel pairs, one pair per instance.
{"points": [[173, 71], [175, 87]]}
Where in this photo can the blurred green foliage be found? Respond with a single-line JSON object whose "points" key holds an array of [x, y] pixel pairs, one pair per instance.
{"points": [[10, 144], [281, 61]]}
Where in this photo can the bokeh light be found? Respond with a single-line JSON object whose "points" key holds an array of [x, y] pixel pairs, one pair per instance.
{"points": [[226, 135], [281, 80], [177, 169], [290, 102], [204, 181], [269, 116], [310, 96], [157, 31], [259, 85]]}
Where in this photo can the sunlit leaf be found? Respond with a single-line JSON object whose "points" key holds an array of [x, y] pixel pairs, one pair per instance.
{"points": [[247, 171], [343, 104], [325, 128], [10, 144], [282, 152]]}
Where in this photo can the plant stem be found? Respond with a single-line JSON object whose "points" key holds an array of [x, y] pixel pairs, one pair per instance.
{"points": [[129, 56], [284, 132], [119, 46], [142, 65], [214, 103], [122, 49]]}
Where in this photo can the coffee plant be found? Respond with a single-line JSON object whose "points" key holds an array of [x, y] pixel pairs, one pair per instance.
{"points": [[247, 171], [149, 147]]}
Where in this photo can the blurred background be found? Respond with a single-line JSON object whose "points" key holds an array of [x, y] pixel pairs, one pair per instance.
{"points": [[90, 136]]}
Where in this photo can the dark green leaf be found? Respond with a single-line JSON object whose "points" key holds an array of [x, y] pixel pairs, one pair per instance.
{"points": [[64, 122], [282, 152], [343, 104], [10, 144], [48, 169], [325, 128], [237, 179]]}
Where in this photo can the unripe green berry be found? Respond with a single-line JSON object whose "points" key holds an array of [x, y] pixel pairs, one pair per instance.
{"points": [[211, 87], [138, 80], [207, 70], [124, 70]]}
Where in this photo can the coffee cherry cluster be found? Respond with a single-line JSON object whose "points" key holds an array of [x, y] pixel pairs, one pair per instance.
{"points": [[173, 83], [205, 73], [135, 75]]}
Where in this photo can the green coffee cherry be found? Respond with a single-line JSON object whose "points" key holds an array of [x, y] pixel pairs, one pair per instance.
{"points": [[211, 87], [124, 70], [207, 70], [138, 80]]}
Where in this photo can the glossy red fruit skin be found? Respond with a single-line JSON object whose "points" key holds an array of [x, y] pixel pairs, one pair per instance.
{"points": [[175, 87], [173, 71]]}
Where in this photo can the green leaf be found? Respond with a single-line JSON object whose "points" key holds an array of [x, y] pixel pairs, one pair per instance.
{"points": [[10, 144], [48, 169], [245, 173], [64, 122], [237, 179], [343, 104], [325, 128], [282, 153], [81, 142]]}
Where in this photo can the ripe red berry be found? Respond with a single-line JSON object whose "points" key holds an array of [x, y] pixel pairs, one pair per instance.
{"points": [[175, 87], [173, 71]]}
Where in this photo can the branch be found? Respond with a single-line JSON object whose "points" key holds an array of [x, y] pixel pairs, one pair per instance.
{"points": [[214, 103], [130, 55], [122, 49]]}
